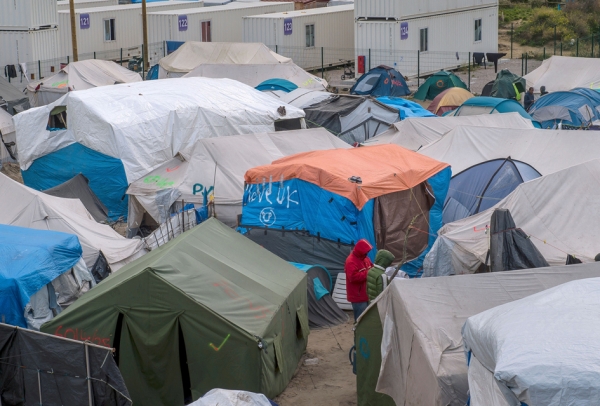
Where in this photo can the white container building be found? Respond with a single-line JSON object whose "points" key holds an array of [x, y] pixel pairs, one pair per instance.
{"points": [[310, 37], [423, 36], [108, 30], [64, 4], [208, 24], [30, 47], [25, 15]]}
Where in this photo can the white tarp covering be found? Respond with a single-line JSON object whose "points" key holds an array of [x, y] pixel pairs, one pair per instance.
{"points": [[224, 397], [215, 167], [565, 73], [559, 211], [192, 54], [303, 98], [416, 132], [25, 207], [546, 151], [540, 350], [80, 75], [253, 75], [423, 359], [146, 124]]}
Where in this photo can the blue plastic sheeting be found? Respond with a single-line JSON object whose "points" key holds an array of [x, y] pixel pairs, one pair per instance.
{"points": [[173, 46], [106, 175], [305, 268], [572, 102], [29, 260], [319, 289], [298, 205], [439, 184], [482, 186], [153, 73], [277, 84], [591, 94], [406, 108], [381, 81]]}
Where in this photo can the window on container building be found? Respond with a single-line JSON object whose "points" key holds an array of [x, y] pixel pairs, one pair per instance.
{"points": [[109, 30], [478, 29], [205, 34], [310, 35], [424, 40]]}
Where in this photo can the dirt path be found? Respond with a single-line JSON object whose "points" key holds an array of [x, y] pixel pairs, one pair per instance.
{"points": [[330, 382]]}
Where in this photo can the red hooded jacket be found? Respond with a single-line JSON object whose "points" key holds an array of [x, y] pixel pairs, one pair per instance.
{"points": [[357, 267]]}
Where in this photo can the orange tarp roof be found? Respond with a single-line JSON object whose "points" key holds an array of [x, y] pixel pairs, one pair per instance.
{"points": [[383, 169]]}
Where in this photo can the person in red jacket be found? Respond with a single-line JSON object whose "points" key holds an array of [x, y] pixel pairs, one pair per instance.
{"points": [[357, 267]]}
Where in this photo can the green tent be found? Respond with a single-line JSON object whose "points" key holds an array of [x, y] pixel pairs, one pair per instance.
{"points": [[508, 85], [437, 83], [367, 339], [210, 309]]}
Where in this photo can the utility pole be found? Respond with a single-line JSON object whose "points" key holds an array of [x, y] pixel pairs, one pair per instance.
{"points": [[146, 59], [73, 30]]}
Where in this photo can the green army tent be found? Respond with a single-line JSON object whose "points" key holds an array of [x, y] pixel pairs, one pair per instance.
{"points": [[437, 83], [210, 309]]}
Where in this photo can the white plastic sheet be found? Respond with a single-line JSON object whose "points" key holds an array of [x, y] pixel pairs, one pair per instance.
{"points": [[542, 350], [224, 397], [559, 211], [146, 124], [565, 73], [417, 132]]}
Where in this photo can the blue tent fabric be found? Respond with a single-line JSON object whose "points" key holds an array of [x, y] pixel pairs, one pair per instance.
{"points": [[573, 108], [406, 108], [277, 84], [106, 175], [482, 186], [304, 268], [320, 290], [381, 81], [172, 46], [153, 73], [29, 260], [299, 205], [439, 185], [498, 105]]}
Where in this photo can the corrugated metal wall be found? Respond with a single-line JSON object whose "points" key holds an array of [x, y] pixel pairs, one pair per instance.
{"points": [[128, 27], [334, 32], [225, 21], [27, 46], [401, 9], [447, 35], [64, 4], [27, 14]]}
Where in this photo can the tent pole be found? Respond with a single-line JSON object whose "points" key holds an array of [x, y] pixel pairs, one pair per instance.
{"points": [[469, 71], [40, 386], [511, 39], [89, 381], [73, 30], [145, 53], [418, 69]]}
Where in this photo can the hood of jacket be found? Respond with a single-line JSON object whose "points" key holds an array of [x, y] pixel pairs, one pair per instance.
{"points": [[362, 248], [384, 258]]}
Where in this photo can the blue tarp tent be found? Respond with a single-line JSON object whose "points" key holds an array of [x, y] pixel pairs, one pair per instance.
{"points": [[106, 175], [483, 185], [492, 105], [309, 212], [381, 81], [29, 260], [406, 108], [573, 108], [277, 84]]}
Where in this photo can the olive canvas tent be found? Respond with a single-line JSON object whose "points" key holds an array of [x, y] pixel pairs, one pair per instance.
{"points": [[437, 83], [209, 309], [409, 347], [416, 133]]}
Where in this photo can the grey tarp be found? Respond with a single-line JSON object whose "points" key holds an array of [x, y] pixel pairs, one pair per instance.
{"points": [[78, 188], [352, 118], [510, 247], [33, 361], [13, 97], [423, 361], [540, 351]]}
